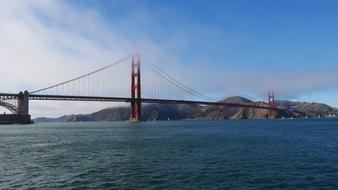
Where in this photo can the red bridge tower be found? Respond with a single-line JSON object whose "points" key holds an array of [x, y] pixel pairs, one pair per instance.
{"points": [[135, 89]]}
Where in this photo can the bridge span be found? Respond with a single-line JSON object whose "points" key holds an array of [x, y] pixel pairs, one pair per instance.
{"points": [[18, 104]]}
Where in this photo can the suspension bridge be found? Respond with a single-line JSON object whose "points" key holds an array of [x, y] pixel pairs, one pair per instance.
{"points": [[152, 86]]}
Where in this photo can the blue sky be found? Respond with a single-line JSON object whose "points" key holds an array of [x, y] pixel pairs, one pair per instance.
{"points": [[221, 48], [299, 34], [260, 36]]}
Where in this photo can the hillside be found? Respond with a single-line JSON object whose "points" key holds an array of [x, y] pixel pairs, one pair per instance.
{"points": [[310, 109], [195, 112]]}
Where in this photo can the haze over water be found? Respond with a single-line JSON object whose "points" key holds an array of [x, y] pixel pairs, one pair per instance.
{"points": [[171, 155]]}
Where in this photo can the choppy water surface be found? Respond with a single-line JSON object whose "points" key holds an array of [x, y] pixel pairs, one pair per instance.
{"points": [[171, 155]]}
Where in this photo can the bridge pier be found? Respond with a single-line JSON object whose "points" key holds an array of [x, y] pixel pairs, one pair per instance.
{"points": [[23, 103], [135, 89], [22, 111]]}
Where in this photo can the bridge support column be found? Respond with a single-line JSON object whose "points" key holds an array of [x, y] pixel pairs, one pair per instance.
{"points": [[23, 108], [272, 112], [135, 89]]}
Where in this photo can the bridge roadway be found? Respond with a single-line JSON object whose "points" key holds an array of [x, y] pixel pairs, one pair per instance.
{"points": [[4, 96]]}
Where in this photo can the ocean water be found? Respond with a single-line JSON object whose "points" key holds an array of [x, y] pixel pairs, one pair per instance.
{"points": [[280, 154]]}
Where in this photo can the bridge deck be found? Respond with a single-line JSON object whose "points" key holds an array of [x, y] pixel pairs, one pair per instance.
{"points": [[144, 100]]}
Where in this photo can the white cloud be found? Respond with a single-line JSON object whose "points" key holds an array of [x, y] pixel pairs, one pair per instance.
{"points": [[45, 42]]}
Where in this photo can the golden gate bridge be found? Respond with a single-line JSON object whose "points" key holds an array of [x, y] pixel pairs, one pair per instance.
{"points": [[160, 88]]}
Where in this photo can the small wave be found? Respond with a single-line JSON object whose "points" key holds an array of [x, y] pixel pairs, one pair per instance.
{"points": [[42, 144]]}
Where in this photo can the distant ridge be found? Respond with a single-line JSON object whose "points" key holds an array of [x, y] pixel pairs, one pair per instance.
{"points": [[195, 112], [237, 99]]}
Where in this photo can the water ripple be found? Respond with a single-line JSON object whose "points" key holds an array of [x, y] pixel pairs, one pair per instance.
{"points": [[173, 155]]}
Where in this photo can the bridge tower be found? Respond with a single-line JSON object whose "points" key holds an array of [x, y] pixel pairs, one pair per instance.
{"points": [[135, 89], [272, 113], [23, 108], [23, 103]]}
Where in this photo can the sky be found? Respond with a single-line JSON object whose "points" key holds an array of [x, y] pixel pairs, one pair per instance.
{"points": [[220, 48]]}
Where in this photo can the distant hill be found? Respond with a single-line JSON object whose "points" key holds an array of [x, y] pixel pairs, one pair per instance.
{"points": [[196, 112], [310, 109]]}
